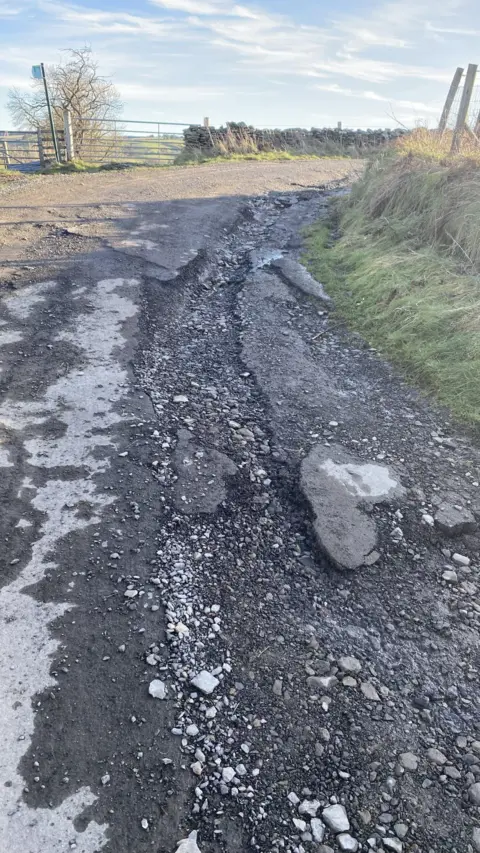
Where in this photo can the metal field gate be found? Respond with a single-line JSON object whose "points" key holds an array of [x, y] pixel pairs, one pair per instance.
{"points": [[27, 150], [19, 150], [136, 142]]}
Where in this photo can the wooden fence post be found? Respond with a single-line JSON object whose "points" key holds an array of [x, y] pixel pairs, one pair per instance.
{"points": [[206, 122], [5, 154], [463, 108], [68, 132], [450, 98]]}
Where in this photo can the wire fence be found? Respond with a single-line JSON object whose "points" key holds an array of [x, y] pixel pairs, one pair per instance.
{"points": [[473, 110], [460, 117]]}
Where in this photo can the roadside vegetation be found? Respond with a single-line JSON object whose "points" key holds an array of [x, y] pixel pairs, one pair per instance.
{"points": [[239, 142], [405, 272], [80, 166], [195, 157]]}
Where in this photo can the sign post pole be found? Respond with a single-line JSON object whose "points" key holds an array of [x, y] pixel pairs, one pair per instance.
{"points": [[38, 72]]}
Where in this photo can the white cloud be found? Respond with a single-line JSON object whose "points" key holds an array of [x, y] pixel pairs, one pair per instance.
{"points": [[386, 54], [400, 103], [166, 94], [344, 48], [197, 7], [98, 21], [453, 31], [335, 88], [362, 37]]}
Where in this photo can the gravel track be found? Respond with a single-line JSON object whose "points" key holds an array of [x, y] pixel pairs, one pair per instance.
{"points": [[162, 386]]}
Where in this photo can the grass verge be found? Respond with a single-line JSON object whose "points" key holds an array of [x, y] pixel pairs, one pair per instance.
{"points": [[196, 157], [113, 166], [406, 271]]}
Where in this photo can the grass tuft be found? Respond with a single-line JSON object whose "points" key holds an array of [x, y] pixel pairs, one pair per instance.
{"points": [[406, 272]]}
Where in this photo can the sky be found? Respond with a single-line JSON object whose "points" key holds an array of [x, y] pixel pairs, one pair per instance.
{"points": [[270, 63]]}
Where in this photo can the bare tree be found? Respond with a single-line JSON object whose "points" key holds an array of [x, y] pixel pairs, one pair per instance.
{"points": [[77, 86]]}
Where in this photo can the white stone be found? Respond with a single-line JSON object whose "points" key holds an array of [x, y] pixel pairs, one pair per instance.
{"points": [[318, 829], [241, 770], [364, 481], [293, 798], [326, 682], [409, 760], [205, 681], [157, 689], [189, 844], [436, 757], [336, 818], [309, 807], [211, 713], [300, 824], [347, 842], [461, 560], [180, 398], [144, 823], [450, 576], [192, 730], [349, 664], [228, 774], [197, 768], [369, 691]]}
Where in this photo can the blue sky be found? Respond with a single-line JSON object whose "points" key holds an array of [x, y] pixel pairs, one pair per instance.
{"points": [[266, 62]]}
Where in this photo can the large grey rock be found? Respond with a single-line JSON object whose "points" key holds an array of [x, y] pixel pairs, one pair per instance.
{"points": [[347, 843], [453, 520], [201, 474], [205, 681], [318, 829], [297, 275], [336, 818], [409, 760], [436, 757], [474, 793], [339, 487]]}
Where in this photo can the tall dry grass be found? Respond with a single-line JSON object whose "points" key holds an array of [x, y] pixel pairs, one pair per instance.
{"points": [[424, 201], [432, 145], [406, 272]]}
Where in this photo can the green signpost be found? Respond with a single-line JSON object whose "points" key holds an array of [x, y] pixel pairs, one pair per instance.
{"points": [[38, 73]]}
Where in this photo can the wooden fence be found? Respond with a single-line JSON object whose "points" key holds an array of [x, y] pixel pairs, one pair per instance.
{"points": [[461, 112]]}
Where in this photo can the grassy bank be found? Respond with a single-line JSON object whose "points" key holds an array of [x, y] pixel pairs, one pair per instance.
{"points": [[406, 271]]}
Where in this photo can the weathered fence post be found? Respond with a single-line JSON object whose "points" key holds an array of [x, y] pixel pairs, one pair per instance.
{"points": [[206, 122], [5, 154], [442, 124], [41, 149], [463, 108], [68, 131]]}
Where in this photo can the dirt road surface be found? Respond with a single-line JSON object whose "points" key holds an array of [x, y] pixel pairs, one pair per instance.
{"points": [[240, 563]]}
